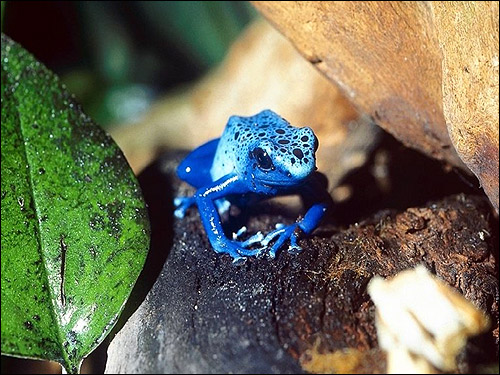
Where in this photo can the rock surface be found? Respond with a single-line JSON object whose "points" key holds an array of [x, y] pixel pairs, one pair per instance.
{"points": [[204, 315], [427, 72]]}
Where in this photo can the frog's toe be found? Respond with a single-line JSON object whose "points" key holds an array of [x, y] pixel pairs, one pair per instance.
{"points": [[294, 248], [223, 205], [238, 261], [179, 213], [182, 204], [239, 232], [271, 236], [251, 252], [256, 238], [236, 250], [277, 245], [282, 234]]}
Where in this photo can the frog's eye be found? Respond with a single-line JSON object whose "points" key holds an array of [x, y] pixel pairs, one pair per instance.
{"points": [[316, 143], [264, 161]]}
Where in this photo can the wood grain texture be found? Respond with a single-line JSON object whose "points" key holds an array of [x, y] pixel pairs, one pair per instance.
{"points": [[394, 59], [468, 38]]}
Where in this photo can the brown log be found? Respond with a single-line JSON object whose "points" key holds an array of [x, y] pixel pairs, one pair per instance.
{"points": [[307, 312]]}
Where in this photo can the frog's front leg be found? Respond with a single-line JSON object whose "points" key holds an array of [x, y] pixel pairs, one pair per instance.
{"points": [[314, 192], [182, 204], [205, 200]]}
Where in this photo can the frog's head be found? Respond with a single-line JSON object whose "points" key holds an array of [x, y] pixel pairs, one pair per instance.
{"points": [[279, 154], [286, 160]]}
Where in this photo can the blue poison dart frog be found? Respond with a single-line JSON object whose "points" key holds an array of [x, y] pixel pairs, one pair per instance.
{"points": [[260, 156]]}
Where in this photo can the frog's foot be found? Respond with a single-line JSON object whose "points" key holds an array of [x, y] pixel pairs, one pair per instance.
{"points": [[223, 205], [256, 238], [283, 233], [237, 250], [181, 205]]}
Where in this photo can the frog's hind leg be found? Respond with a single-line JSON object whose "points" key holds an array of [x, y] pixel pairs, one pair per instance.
{"points": [[195, 168], [182, 204]]}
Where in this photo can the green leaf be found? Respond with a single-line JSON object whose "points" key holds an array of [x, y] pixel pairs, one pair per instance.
{"points": [[75, 232]]}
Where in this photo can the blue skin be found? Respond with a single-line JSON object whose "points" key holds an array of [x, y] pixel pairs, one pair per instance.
{"points": [[258, 156]]}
